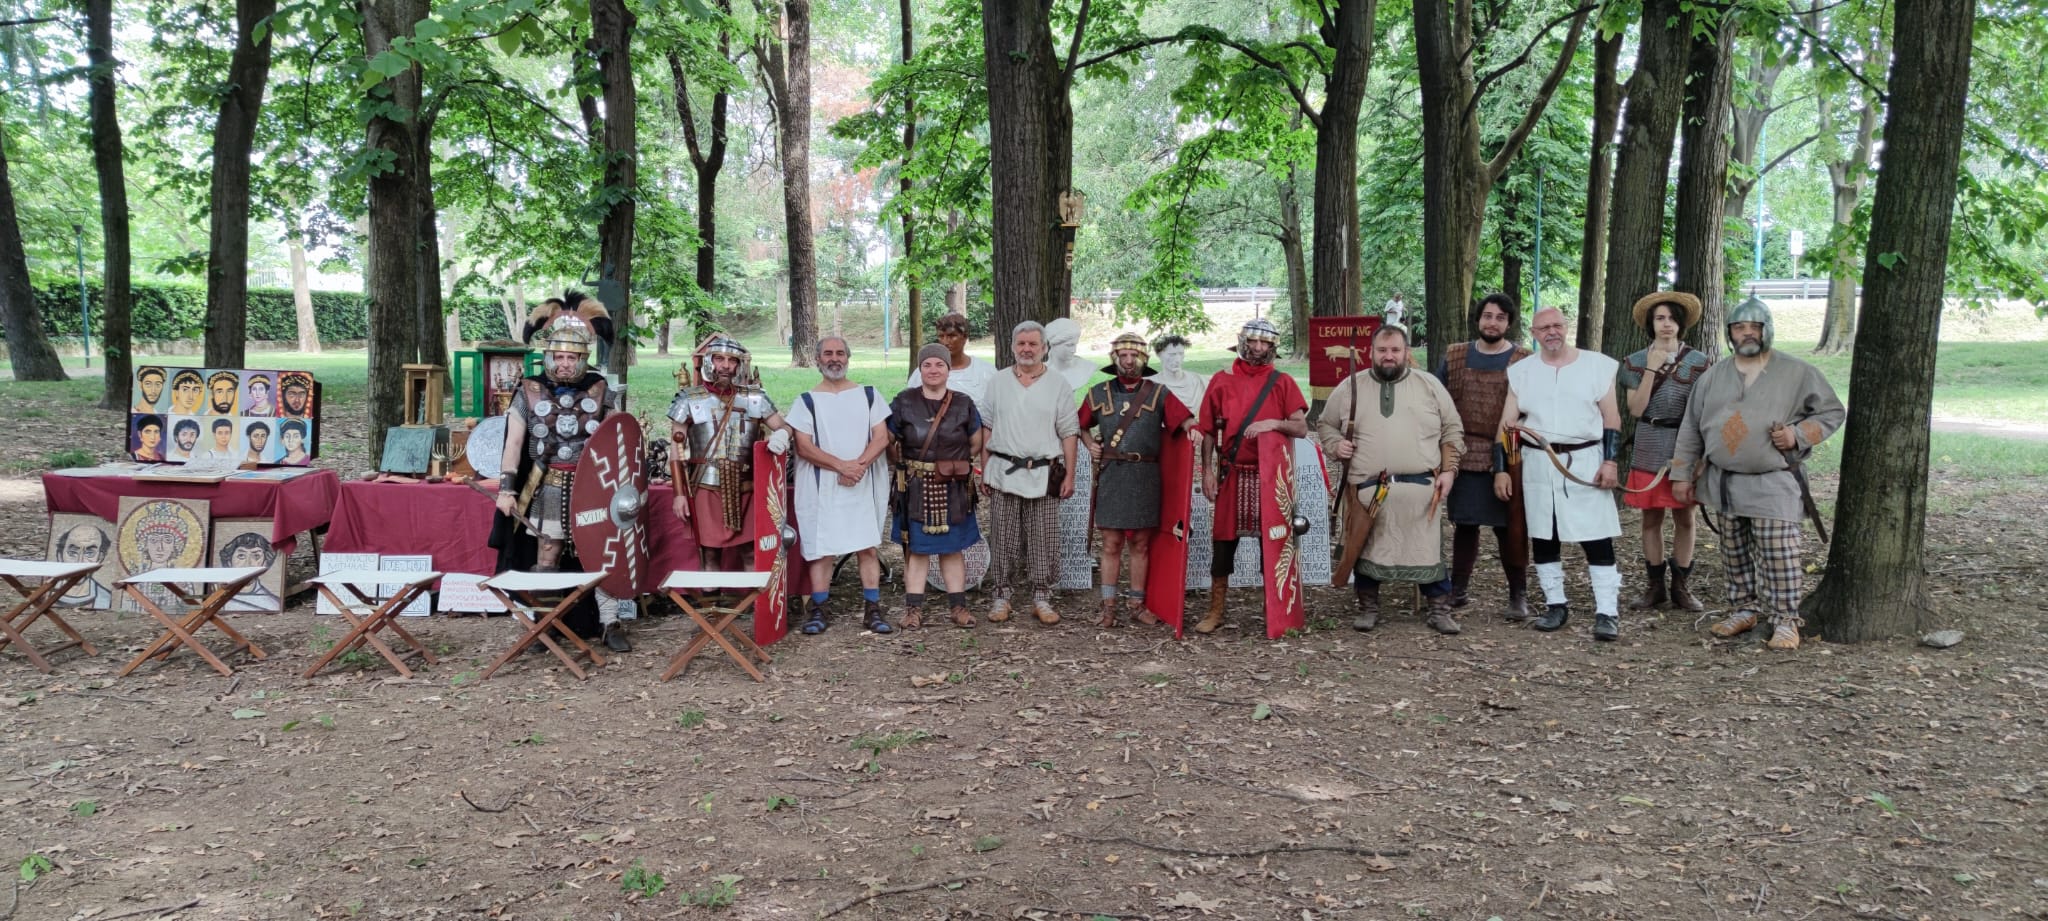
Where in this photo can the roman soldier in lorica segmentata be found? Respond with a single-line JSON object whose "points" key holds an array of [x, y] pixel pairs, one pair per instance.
{"points": [[714, 422]]}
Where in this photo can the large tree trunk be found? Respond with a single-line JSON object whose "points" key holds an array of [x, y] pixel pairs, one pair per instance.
{"points": [[707, 159], [116, 307], [1642, 171], [1747, 129], [1599, 186], [1699, 241], [785, 60], [227, 251], [302, 292], [433, 330], [914, 312], [1875, 585], [1456, 175], [1845, 179], [393, 224], [1291, 252], [1338, 276], [28, 349], [1030, 128], [611, 30], [1511, 244]]}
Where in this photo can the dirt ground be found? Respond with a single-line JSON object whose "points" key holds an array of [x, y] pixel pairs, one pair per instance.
{"points": [[1063, 773]]}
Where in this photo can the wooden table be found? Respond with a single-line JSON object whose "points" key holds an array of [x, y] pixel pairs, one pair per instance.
{"points": [[682, 585], [520, 592], [366, 615], [37, 603], [226, 581]]}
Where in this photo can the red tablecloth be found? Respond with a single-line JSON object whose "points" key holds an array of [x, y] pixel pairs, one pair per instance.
{"points": [[453, 524], [299, 504]]}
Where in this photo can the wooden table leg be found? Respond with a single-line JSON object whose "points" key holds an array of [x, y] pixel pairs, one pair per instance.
{"points": [[39, 602]]}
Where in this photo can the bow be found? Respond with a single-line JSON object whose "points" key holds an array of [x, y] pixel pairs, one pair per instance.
{"points": [[1537, 440]]}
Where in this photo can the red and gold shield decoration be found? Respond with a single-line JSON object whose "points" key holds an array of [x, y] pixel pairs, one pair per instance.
{"points": [[771, 513], [1280, 545], [605, 506], [1166, 582]]}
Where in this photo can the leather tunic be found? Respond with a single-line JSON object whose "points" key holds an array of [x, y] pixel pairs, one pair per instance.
{"points": [[1479, 396]]}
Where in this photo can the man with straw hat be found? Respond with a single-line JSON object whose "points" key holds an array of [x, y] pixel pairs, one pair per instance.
{"points": [[1659, 380]]}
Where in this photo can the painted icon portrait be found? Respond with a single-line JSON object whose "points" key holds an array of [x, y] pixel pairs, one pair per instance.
{"points": [[240, 542], [76, 539], [184, 438], [222, 393], [160, 534], [149, 388], [222, 439], [295, 395], [259, 393], [294, 440], [256, 434], [146, 437], [188, 392]]}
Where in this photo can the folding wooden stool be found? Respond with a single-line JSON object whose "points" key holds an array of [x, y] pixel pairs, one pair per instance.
{"points": [[227, 582], [38, 602], [723, 630], [527, 612], [366, 615]]}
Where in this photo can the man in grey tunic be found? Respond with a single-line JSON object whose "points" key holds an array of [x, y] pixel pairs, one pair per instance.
{"points": [[1749, 420], [1133, 415]]}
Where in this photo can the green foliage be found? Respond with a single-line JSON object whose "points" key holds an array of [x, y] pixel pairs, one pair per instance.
{"points": [[172, 311], [880, 743], [34, 866], [641, 881], [719, 893]]}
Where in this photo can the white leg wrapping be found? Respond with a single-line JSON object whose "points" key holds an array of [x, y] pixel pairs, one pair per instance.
{"points": [[1606, 589], [1551, 577], [611, 610]]}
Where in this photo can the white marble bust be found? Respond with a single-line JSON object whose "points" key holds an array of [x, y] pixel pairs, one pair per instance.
{"points": [[1062, 338], [1172, 373]]}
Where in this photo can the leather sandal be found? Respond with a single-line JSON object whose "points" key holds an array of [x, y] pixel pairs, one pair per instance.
{"points": [[962, 618]]}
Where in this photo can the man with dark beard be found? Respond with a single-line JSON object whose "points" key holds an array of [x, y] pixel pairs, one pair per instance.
{"points": [[1748, 422], [1476, 374], [1404, 435], [1242, 402]]}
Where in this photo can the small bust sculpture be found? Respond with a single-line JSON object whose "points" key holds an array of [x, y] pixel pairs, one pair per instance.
{"points": [[1186, 385], [1062, 337]]}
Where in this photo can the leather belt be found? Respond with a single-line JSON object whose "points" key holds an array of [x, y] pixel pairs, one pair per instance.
{"points": [[1024, 463], [1416, 479], [1661, 423], [1564, 448], [1129, 457]]}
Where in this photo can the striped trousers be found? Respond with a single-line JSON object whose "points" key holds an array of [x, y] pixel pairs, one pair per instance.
{"points": [[1023, 540], [1761, 557]]}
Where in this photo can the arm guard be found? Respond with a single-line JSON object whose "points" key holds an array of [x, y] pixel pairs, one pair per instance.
{"points": [[1500, 457], [1610, 444]]}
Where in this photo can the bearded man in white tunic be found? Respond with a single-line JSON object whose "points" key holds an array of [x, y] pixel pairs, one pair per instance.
{"points": [[842, 485], [1563, 406]]}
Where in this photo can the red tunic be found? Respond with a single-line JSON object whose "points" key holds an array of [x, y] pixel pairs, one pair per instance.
{"points": [[1230, 395]]}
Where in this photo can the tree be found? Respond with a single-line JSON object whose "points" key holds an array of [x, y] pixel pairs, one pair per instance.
{"points": [[914, 316], [1848, 163], [706, 143], [115, 304], [1875, 584], [392, 263], [1655, 94], [234, 135], [28, 349], [783, 51], [1599, 188], [1031, 133], [1457, 176], [611, 29], [1699, 240]]}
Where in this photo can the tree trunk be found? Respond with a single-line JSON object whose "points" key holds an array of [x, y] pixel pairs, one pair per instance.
{"points": [[516, 322], [1642, 171], [1026, 100], [1875, 584], [1699, 241], [707, 159], [1747, 128], [227, 251], [433, 328], [1845, 179], [393, 200], [302, 292], [1291, 253], [1338, 277], [611, 31], [28, 349], [914, 312], [1599, 184], [116, 306], [1510, 261]]}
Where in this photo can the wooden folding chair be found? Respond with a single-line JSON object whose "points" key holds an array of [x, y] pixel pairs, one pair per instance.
{"points": [[227, 582], [37, 602], [682, 585], [526, 610], [366, 615]]}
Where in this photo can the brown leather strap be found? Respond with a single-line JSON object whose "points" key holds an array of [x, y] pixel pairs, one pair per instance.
{"points": [[924, 451]]}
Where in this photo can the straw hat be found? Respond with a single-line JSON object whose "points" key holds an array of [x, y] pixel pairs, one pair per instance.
{"points": [[1683, 301]]}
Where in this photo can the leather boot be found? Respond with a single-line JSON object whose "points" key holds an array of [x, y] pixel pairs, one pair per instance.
{"points": [[1213, 621], [1108, 618], [815, 623], [1606, 627], [1554, 618], [913, 615], [1440, 619], [1459, 596], [871, 618], [1368, 607], [615, 638], [1653, 588], [1518, 606], [1681, 593]]}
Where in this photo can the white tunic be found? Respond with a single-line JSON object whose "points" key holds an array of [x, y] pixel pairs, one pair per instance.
{"points": [[1563, 405], [832, 519]]}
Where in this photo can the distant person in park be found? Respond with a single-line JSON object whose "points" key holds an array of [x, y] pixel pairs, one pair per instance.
{"points": [[1242, 402], [1476, 374], [842, 483], [149, 438], [1395, 311], [1561, 407], [291, 434], [1125, 422], [714, 421], [188, 390], [966, 373], [1395, 428], [937, 435], [1027, 468], [258, 434], [576, 304], [186, 438], [1659, 379], [1751, 419], [545, 434], [149, 382], [220, 389]]}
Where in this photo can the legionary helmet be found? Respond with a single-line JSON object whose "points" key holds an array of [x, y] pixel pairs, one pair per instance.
{"points": [[568, 333], [722, 344], [1753, 310], [1258, 329], [1130, 342]]}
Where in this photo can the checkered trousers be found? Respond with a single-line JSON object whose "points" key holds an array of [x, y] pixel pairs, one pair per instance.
{"points": [[1761, 556], [1024, 540]]}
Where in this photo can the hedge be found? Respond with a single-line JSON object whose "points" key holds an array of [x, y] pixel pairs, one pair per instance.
{"points": [[164, 312]]}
